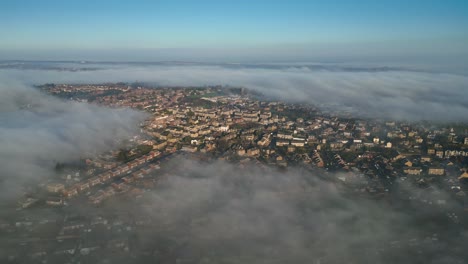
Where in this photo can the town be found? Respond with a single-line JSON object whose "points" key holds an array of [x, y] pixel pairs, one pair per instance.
{"points": [[231, 124], [366, 157]]}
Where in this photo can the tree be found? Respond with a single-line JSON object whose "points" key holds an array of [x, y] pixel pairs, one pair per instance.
{"points": [[59, 167], [190, 114], [144, 149], [123, 155]]}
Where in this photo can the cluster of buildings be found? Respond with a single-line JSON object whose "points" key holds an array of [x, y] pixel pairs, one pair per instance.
{"points": [[110, 180], [70, 237], [229, 125], [368, 156]]}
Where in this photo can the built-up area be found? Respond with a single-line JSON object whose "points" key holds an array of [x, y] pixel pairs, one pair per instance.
{"points": [[369, 157]]}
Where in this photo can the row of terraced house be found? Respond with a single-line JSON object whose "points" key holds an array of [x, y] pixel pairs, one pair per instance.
{"points": [[103, 177]]}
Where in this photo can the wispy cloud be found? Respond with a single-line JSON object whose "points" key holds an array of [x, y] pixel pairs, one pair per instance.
{"points": [[218, 212], [37, 130], [221, 212], [388, 92]]}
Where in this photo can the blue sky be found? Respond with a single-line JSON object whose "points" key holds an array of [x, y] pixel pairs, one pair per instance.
{"points": [[73, 29]]}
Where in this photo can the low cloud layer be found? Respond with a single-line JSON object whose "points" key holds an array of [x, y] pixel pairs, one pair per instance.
{"points": [[37, 131], [386, 92], [220, 213]]}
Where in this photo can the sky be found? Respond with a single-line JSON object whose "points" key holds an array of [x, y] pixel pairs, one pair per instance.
{"points": [[233, 30]]}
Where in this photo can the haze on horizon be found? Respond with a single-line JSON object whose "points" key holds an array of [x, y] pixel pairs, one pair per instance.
{"points": [[403, 32], [377, 55]]}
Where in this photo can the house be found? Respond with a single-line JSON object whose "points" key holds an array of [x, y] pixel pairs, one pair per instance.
{"points": [[223, 128], [284, 135], [137, 175], [464, 175], [105, 176], [298, 142], [128, 179], [189, 148], [70, 192], [54, 201], [318, 159], [412, 170], [119, 185], [240, 151], [83, 186], [248, 137], [55, 187], [265, 141], [160, 145], [436, 171], [253, 152], [426, 159], [282, 143], [66, 247], [97, 198], [408, 163], [94, 181], [336, 145]]}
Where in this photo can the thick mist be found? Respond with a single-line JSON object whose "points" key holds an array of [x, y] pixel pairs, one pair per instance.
{"points": [[218, 212], [38, 130], [221, 213], [402, 93]]}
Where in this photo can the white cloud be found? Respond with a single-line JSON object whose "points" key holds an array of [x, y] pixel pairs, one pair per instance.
{"points": [[392, 93], [37, 130]]}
